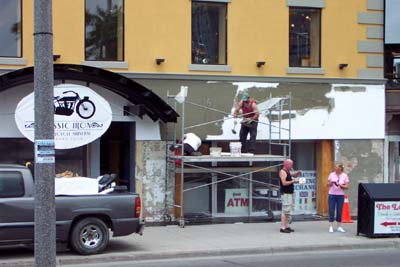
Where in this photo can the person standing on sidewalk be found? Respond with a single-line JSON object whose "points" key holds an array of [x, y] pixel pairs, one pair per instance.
{"points": [[287, 189], [249, 122], [338, 181]]}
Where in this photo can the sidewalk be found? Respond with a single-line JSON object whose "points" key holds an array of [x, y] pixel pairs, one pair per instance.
{"points": [[221, 239]]}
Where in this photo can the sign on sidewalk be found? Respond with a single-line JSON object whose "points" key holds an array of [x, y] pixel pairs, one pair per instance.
{"points": [[387, 217]]}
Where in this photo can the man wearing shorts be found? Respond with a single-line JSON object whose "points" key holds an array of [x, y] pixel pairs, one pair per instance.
{"points": [[287, 189]]}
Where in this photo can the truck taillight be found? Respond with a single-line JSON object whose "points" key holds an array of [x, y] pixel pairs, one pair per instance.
{"points": [[138, 207]]}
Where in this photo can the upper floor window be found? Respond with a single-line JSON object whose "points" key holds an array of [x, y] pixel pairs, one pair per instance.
{"points": [[304, 37], [10, 28], [209, 33], [104, 30]]}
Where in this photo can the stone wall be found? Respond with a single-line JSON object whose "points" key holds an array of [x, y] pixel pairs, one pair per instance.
{"points": [[363, 162], [151, 179]]}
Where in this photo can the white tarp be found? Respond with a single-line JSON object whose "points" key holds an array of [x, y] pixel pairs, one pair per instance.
{"points": [[76, 186]]}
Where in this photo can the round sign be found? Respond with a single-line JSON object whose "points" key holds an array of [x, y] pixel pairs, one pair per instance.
{"points": [[80, 116]]}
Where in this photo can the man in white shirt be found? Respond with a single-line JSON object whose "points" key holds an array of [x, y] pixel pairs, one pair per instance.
{"points": [[191, 144]]}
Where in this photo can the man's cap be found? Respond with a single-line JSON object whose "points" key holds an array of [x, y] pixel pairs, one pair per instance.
{"points": [[245, 96]]}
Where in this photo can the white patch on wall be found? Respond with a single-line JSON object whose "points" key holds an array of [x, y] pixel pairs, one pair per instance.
{"points": [[358, 114]]}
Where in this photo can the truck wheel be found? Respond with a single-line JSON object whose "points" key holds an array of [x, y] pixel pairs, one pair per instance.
{"points": [[89, 236]]}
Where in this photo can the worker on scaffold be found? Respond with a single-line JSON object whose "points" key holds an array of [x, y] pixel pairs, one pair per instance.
{"points": [[191, 144], [249, 122]]}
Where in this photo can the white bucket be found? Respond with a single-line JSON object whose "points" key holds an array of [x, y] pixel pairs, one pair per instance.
{"points": [[235, 148], [215, 151]]}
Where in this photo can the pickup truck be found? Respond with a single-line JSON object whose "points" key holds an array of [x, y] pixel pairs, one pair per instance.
{"points": [[83, 222]]}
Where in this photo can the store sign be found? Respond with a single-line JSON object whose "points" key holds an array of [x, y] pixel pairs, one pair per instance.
{"points": [[305, 193], [387, 217], [80, 116], [236, 201]]}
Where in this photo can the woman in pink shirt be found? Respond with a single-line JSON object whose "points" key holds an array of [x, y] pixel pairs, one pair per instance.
{"points": [[338, 181]]}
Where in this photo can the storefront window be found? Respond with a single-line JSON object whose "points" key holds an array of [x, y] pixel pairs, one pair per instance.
{"points": [[209, 33], [21, 150], [304, 37], [266, 186], [233, 196], [198, 195], [10, 28], [104, 30], [71, 160], [241, 189]]}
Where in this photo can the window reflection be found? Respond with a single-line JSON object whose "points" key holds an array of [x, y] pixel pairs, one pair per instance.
{"points": [[104, 30], [208, 33], [304, 37], [10, 28]]}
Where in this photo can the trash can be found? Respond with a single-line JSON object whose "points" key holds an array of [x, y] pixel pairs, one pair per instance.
{"points": [[378, 210]]}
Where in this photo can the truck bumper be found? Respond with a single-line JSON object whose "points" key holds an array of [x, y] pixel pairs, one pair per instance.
{"points": [[122, 227]]}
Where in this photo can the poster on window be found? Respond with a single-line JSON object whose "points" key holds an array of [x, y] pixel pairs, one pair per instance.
{"points": [[236, 201], [387, 217], [305, 193], [80, 116]]}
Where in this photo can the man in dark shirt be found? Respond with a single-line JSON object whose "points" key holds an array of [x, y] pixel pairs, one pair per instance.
{"points": [[287, 190]]}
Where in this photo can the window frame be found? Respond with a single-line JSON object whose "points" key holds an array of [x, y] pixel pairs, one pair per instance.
{"points": [[17, 60], [213, 66], [101, 62], [319, 65]]}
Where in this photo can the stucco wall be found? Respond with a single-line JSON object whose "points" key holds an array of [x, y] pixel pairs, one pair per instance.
{"points": [[319, 111], [363, 161], [150, 178]]}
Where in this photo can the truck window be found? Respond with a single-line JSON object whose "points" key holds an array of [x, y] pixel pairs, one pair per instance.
{"points": [[11, 184]]}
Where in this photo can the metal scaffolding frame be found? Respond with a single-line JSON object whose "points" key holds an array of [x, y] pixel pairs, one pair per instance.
{"points": [[278, 108]]}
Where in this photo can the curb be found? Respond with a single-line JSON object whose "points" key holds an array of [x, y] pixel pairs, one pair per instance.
{"points": [[121, 257]]}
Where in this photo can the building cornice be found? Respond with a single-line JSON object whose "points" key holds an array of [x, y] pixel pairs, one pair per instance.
{"points": [[239, 78]]}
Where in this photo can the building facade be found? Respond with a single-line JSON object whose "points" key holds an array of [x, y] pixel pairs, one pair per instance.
{"points": [[327, 55]]}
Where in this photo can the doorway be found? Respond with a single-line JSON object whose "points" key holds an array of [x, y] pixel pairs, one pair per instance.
{"points": [[117, 153], [392, 147]]}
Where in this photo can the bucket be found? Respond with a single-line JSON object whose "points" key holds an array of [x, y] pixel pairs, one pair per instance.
{"points": [[215, 151], [235, 148]]}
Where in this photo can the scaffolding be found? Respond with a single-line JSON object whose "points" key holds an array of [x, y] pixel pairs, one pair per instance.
{"points": [[279, 149]]}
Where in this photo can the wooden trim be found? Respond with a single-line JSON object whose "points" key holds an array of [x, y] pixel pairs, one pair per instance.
{"points": [[325, 162], [178, 200]]}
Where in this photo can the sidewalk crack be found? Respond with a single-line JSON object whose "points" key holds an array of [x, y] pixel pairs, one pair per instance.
{"points": [[235, 263]]}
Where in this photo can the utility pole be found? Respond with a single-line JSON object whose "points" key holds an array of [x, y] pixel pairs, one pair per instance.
{"points": [[45, 213]]}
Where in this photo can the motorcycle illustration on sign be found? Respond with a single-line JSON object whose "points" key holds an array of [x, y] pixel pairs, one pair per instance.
{"points": [[70, 101], [80, 116]]}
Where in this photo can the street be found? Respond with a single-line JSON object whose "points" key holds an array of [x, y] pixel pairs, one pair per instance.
{"points": [[260, 244], [337, 258]]}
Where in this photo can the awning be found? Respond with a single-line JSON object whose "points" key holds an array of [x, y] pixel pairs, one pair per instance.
{"points": [[155, 107]]}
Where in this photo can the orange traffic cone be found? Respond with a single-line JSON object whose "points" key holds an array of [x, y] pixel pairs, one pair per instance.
{"points": [[346, 218]]}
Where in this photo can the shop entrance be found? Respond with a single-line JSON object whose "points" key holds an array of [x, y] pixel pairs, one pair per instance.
{"points": [[117, 153]]}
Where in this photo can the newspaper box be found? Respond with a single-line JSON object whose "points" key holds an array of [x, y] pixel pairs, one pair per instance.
{"points": [[378, 210]]}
